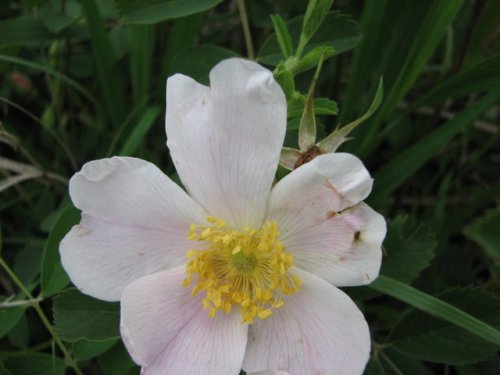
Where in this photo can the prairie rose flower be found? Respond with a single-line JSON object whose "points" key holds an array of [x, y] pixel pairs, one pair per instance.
{"points": [[235, 273]]}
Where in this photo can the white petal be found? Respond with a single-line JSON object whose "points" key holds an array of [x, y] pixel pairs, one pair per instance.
{"points": [[338, 244], [135, 221], [333, 181], [344, 249], [318, 330], [167, 331], [226, 140]]}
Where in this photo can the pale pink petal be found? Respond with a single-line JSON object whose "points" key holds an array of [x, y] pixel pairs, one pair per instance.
{"points": [[167, 331], [225, 140], [340, 244], [344, 249], [318, 331], [328, 183], [135, 221]]}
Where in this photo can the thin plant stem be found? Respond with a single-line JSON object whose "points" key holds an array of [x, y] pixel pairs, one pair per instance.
{"points": [[378, 349], [246, 29], [32, 349], [29, 302], [69, 359], [391, 364]]}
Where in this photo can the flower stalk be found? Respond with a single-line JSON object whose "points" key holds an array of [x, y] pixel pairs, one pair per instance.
{"points": [[246, 29]]}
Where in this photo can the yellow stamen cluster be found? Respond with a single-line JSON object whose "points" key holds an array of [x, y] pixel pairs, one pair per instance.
{"points": [[248, 268]]}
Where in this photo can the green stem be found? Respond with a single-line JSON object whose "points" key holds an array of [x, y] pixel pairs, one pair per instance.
{"points": [[246, 28], [33, 349], [69, 359], [29, 302]]}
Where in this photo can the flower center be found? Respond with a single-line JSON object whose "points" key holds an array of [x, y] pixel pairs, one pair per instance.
{"points": [[249, 268]]}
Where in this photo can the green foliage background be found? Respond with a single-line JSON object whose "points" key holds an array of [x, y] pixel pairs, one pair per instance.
{"points": [[82, 80]]}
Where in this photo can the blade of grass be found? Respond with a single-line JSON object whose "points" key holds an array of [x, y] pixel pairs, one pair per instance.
{"points": [[480, 77], [400, 168], [484, 75], [108, 73], [140, 131], [431, 31], [375, 34], [435, 307], [141, 39]]}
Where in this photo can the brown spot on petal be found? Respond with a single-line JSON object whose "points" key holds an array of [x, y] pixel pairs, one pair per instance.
{"points": [[367, 277], [330, 214], [141, 254], [357, 235]]}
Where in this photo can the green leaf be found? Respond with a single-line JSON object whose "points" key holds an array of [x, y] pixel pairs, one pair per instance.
{"points": [[491, 367], [3, 370], [315, 15], [78, 316], [282, 35], [430, 339], [9, 317], [325, 106], [23, 32], [54, 278], [285, 79], [152, 11], [338, 31], [56, 18], [27, 262], [35, 363], [335, 139], [436, 307], [401, 167], [117, 362], [311, 59], [196, 62], [19, 336], [385, 360], [140, 131], [485, 231], [85, 350], [322, 106], [409, 249], [182, 35]]}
